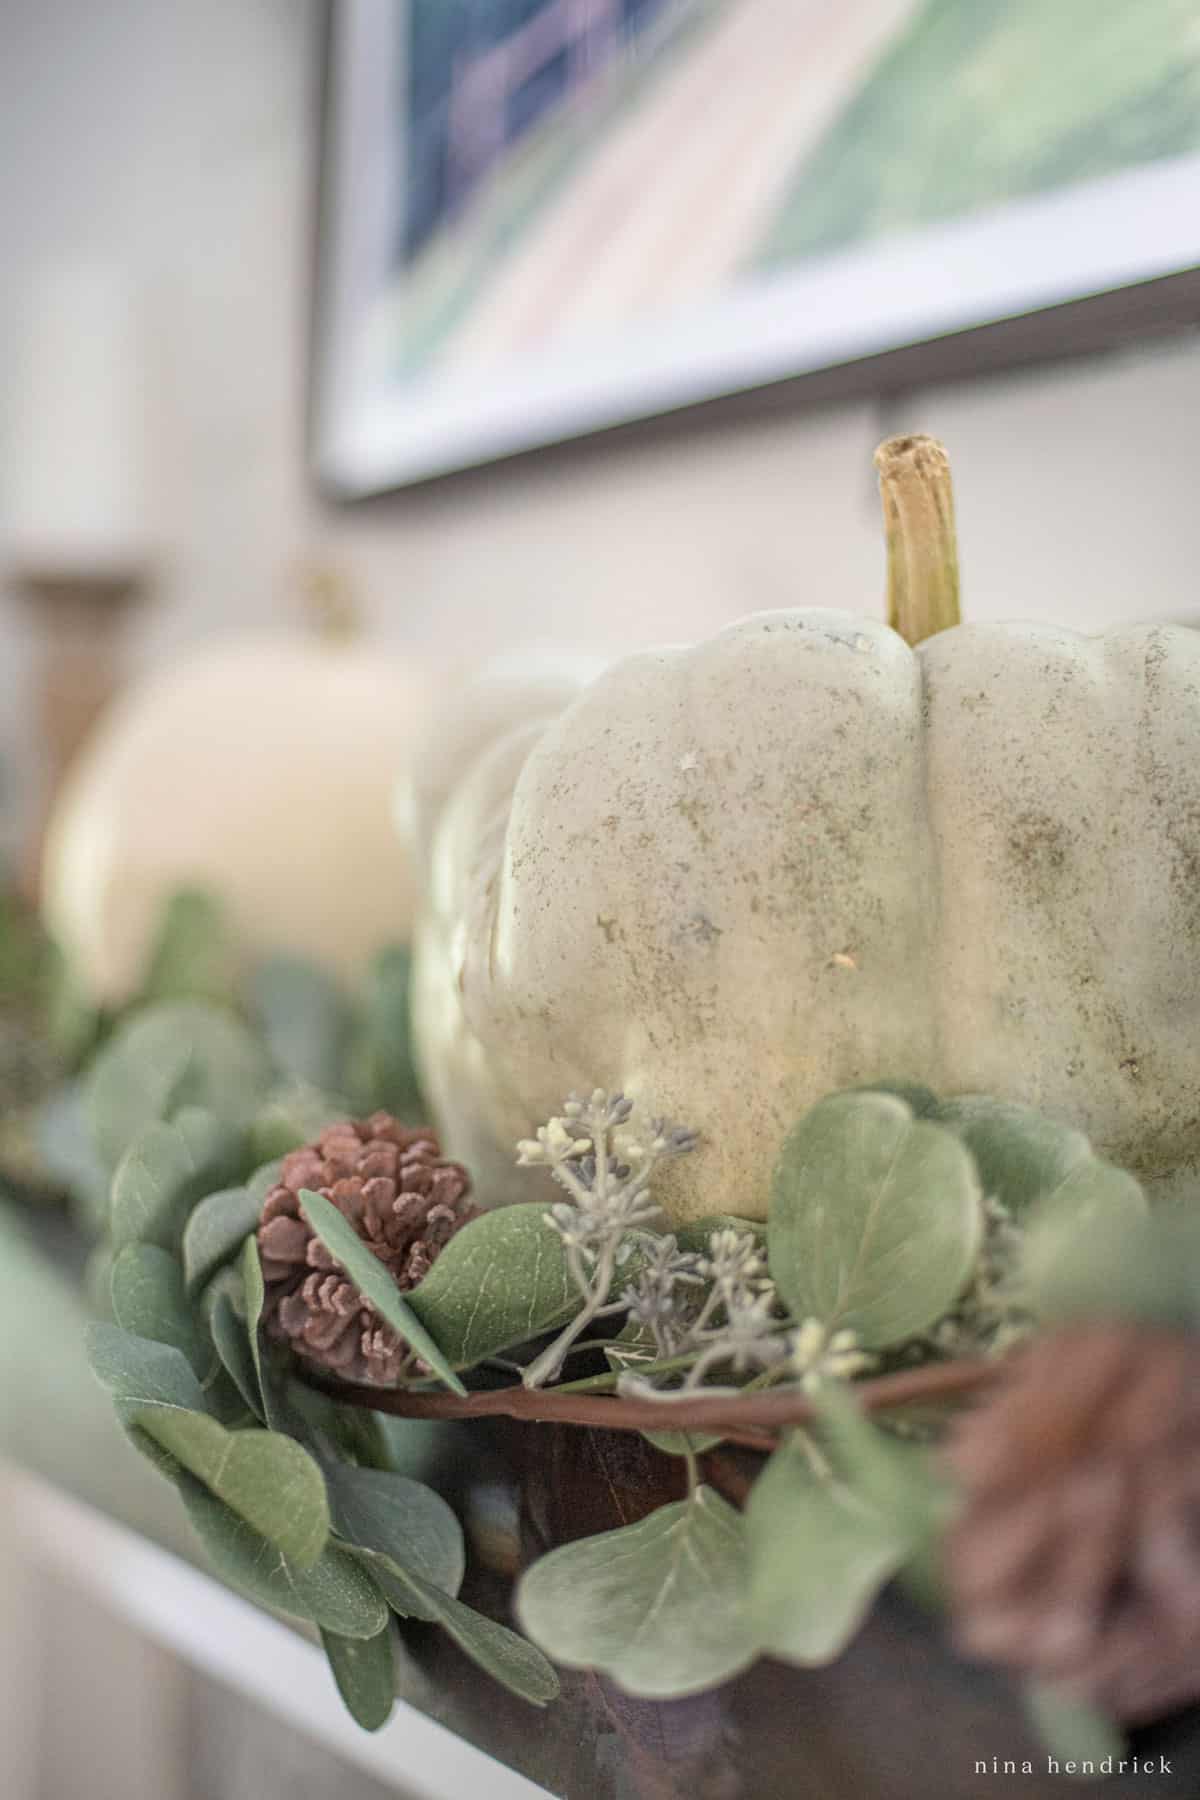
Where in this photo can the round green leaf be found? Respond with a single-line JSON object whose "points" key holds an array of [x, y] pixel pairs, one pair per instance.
{"points": [[500, 1281], [182, 1053], [148, 1299], [162, 1171], [336, 1593], [819, 1553], [660, 1605], [268, 1480], [876, 1218], [218, 1227], [403, 1519]]}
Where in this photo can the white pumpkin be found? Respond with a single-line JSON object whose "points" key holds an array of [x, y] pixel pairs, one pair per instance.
{"points": [[733, 877], [261, 769]]}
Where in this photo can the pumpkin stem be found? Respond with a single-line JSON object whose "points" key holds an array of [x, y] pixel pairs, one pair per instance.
{"points": [[922, 550]]}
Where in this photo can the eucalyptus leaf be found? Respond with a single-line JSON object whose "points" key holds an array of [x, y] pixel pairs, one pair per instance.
{"points": [[268, 1480], [180, 1053], [162, 1172], [399, 1518], [898, 1478], [374, 1282], [65, 1146], [922, 1101], [336, 1593], [876, 1218], [1144, 1270], [193, 956], [280, 1415], [217, 1227], [138, 1372], [148, 1299], [232, 1344], [1026, 1159], [1094, 1202], [507, 1658], [304, 1017], [1073, 1731], [365, 1674], [293, 1115], [818, 1554], [660, 1606], [381, 1061], [683, 1443], [500, 1281]]}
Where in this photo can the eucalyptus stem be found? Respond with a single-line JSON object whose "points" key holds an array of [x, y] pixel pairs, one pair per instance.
{"points": [[922, 548], [734, 1415], [549, 1363]]}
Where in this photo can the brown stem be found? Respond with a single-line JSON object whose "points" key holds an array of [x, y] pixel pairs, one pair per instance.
{"points": [[741, 1418], [922, 549]]}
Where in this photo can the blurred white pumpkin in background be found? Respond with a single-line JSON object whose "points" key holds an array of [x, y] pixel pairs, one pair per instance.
{"points": [[262, 769]]}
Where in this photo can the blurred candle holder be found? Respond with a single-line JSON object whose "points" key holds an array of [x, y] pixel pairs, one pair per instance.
{"points": [[77, 543]]}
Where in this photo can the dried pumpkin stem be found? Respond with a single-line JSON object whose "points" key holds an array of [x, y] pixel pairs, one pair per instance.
{"points": [[922, 549]]}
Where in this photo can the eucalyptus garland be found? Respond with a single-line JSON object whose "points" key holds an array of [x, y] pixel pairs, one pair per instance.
{"points": [[892, 1231], [912, 1245]]}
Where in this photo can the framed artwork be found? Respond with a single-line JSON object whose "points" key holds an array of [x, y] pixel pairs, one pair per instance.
{"points": [[542, 218]]}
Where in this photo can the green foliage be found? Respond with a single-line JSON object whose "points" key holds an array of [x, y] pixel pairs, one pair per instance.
{"points": [[876, 1229], [818, 1555], [253, 1299], [149, 1300], [164, 1169], [661, 1606], [397, 1518], [192, 957], [139, 1372], [500, 1281], [380, 1065], [181, 1053], [69, 1155], [1071, 1730], [373, 1280], [517, 1665], [304, 1018], [291, 1115], [365, 1674], [218, 1226], [1026, 1160], [268, 1480], [833, 1517], [1142, 1269], [231, 1340], [875, 1219], [336, 1592]]}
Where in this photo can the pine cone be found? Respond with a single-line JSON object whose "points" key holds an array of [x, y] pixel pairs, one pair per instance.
{"points": [[1077, 1556], [403, 1201]]}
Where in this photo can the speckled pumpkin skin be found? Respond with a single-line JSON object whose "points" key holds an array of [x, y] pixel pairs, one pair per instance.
{"points": [[733, 877]]}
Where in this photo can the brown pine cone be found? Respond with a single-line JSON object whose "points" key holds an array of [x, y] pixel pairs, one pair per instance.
{"points": [[404, 1202], [1076, 1558]]}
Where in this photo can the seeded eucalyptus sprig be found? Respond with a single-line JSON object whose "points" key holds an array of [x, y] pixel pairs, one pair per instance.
{"points": [[606, 1172]]}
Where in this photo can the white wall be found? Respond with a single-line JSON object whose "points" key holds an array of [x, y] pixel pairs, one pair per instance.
{"points": [[178, 134]]}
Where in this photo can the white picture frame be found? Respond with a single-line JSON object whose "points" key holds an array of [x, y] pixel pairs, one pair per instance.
{"points": [[371, 432]]}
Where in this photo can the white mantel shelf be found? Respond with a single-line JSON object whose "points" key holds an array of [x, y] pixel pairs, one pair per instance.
{"points": [[235, 1643]]}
